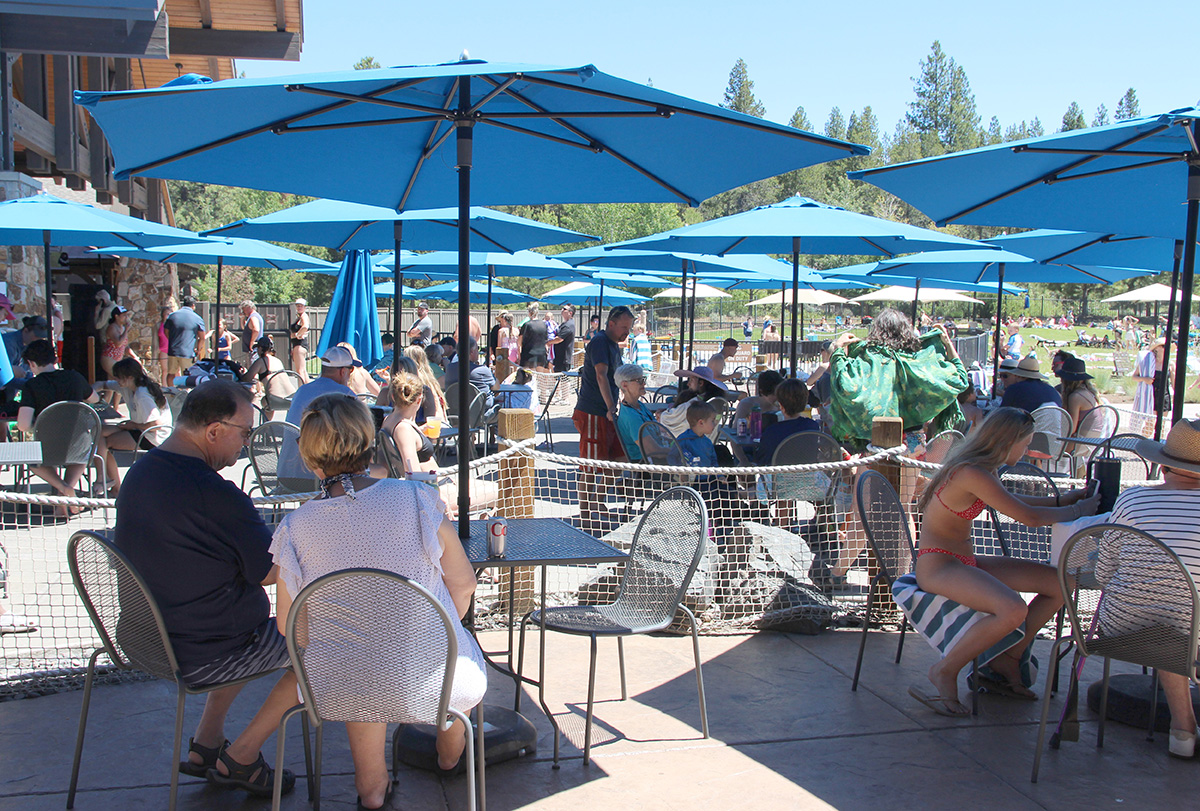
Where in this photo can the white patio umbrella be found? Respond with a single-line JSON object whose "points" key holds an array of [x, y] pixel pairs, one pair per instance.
{"points": [[701, 291], [1151, 292], [807, 296], [924, 294]]}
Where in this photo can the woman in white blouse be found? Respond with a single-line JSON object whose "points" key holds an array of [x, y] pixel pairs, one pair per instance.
{"points": [[149, 420], [391, 524]]}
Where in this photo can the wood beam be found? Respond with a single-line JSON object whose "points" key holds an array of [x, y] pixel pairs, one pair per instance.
{"points": [[280, 15], [100, 165], [279, 45], [66, 136], [30, 33], [206, 13], [7, 158], [36, 83], [33, 132]]}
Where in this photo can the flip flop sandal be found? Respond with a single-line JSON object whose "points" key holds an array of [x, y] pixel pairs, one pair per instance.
{"points": [[948, 706], [208, 759], [243, 776], [1001, 687], [387, 798]]}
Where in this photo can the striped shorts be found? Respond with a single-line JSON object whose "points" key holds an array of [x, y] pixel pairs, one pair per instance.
{"points": [[266, 650]]}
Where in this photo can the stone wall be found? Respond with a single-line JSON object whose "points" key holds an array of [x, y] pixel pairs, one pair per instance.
{"points": [[144, 287], [23, 265]]}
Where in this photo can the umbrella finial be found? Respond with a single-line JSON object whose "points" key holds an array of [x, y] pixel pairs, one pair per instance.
{"points": [[464, 56]]}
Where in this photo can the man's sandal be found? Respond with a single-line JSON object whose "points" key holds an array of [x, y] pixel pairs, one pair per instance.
{"points": [[208, 759], [243, 776]]}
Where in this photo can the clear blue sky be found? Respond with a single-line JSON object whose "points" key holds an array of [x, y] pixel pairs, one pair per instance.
{"points": [[1023, 59]]}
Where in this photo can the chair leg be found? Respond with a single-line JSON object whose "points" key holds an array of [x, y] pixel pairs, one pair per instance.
{"points": [[1153, 706], [308, 763], [862, 644], [520, 664], [176, 747], [621, 660], [83, 716], [900, 645], [470, 755], [1041, 740], [316, 802], [481, 756], [1103, 705], [280, 736], [975, 693], [587, 729], [699, 670]]}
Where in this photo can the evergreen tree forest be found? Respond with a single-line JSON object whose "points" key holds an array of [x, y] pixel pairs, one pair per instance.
{"points": [[942, 117]]}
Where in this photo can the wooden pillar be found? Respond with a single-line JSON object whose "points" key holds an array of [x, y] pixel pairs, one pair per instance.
{"points": [[515, 500], [886, 432]]}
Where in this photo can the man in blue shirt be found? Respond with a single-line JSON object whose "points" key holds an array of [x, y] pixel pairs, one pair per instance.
{"points": [[32, 328], [183, 327], [1027, 387], [336, 367], [205, 555], [478, 375], [792, 396], [386, 359], [596, 407]]}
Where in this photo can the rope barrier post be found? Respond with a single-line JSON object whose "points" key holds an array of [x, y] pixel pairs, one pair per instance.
{"points": [[515, 499], [760, 363], [886, 432]]}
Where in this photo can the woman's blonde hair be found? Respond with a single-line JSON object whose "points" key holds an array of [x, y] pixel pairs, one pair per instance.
{"points": [[988, 447], [337, 435], [425, 373], [1069, 387], [532, 309], [406, 389]]}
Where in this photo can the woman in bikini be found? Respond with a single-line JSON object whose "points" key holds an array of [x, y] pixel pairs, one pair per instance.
{"points": [[946, 564]]}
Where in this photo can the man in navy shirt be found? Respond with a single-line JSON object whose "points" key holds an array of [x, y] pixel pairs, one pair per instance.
{"points": [[204, 553], [1027, 388], [792, 396]]}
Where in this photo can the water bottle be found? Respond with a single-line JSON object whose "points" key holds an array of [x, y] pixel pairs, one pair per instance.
{"points": [[756, 423]]}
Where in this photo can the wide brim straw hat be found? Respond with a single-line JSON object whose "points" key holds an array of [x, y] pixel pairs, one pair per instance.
{"points": [[1181, 449], [704, 373], [1030, 368]]}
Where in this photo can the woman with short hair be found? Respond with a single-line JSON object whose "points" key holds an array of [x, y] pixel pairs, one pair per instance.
{"points": [[390, 524]]}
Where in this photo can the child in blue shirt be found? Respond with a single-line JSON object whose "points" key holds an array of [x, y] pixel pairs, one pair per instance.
{"points": [[697, 449]]}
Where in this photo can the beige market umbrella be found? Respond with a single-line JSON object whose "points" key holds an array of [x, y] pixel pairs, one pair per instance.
{"points": [[924, 294], [807, 296], [1151, 292], [702, 291]]}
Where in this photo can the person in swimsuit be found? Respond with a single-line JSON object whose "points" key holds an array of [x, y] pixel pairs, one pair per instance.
{"points": [[298, 339], [417, 453], [947, 565], [116, 344]]}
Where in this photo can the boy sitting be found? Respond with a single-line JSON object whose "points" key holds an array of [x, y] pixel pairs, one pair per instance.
{"points": [[697, 449]]}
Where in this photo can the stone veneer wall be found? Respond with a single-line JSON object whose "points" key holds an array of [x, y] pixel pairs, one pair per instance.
{"points": [[23, 263]]}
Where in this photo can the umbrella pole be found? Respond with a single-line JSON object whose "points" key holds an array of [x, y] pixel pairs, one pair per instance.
{"points": [[49, 287], [1160, 402], [491, 276], [795, 296], [600, 305], [397, 295], [999, 318], [683, 318], [1189, 273], [463, 136], [916, 297], [783, 321], [692, 318], [217, 311]]}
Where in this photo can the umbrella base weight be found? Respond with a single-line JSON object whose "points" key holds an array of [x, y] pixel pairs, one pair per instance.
{"points": [[1129, 701], [507, 735]]}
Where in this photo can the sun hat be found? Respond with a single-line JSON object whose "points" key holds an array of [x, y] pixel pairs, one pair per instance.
{"points": [[704, 373], [301, 301], [336, 357], [1074, 368], [1180, 450], [1028, 367]]}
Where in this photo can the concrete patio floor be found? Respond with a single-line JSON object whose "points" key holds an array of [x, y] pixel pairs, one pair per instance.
{"points": [[786, 733]]}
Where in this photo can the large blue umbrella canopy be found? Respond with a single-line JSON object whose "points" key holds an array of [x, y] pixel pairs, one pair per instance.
{"points": [[856, 273], [352, 315], [440, 264], [1128, 178], [388, 290], [348, 226], [800, 225], [477, 292], [545, 134], [47, 220]]}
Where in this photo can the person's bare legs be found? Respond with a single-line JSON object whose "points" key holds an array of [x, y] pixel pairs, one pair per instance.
{"points": [[63, 487], [1026, 577], [368, 743], [450, 745], [1179, 699], [299, 362], [974, 588], [211, 730], [119, 440], [246, 747]]}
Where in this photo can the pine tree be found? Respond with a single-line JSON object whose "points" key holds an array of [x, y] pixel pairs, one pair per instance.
{"points": [[1127, 107], [1101, 117], [1073, 118], [367, 63], [739, 93], [994, 135], [944, 111], [800, 120], [835, 127], [1036, 130], [806, 182]]}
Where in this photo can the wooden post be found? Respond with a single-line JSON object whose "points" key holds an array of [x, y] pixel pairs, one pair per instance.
{"points": [[886, 432], [515, 500], [760, 363]]}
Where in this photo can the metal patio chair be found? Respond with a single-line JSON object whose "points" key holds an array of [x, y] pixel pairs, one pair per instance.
{"points": [[658, 444], [667, 546], [366, 646], [267, 445], [130, 626], [70, 435]]}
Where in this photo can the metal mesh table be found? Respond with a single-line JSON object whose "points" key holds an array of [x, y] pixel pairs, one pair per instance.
{"points": [[20, 453], [1121, 443]]}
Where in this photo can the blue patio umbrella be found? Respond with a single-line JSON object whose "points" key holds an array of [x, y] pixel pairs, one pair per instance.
{"points": [[545, 134], [593, 295], [352, 316], [47, 220], [235, 250], [1086, 248], [1128, 178], [477, 292], [801, 225], [388, 290], [856, 273], [995, 265], [347, 226]]}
